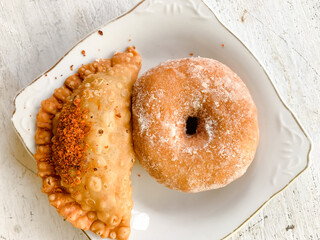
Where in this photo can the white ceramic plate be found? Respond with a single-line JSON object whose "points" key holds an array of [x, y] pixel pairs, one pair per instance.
{"points": [[167, 29]]}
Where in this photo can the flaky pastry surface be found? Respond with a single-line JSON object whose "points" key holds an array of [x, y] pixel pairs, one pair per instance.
{"points": [[85, 152]]}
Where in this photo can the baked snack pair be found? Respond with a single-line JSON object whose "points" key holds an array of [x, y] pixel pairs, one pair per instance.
{"points": [[195, 124], [194, 128], [85, 151]]}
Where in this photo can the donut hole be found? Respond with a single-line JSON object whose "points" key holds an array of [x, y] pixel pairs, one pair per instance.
{"points": [[191, 125], [198, 129]]}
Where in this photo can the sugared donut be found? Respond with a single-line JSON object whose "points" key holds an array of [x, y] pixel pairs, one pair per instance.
{"points": [[195, 124]]}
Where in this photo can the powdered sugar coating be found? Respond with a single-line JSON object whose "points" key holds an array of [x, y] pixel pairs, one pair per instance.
{"points": [[227, 135]]}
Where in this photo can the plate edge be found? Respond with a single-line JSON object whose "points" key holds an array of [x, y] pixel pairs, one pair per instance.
{"points": [[45, 72]]}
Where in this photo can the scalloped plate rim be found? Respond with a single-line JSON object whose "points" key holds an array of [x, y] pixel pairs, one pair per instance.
{"points": [[307, 137]]}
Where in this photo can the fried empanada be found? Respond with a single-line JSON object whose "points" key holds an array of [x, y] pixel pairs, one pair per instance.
{"points": [[85, 151]]}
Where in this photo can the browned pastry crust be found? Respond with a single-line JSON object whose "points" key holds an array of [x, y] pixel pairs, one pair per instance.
{"points": [[207, 94], [84, 146]]}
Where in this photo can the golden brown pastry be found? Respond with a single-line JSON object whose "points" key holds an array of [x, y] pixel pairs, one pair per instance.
{"points": [[195, 124], [85, 151]]}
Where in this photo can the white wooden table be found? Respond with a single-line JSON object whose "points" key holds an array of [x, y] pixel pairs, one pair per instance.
{"points": [[283, 35]]}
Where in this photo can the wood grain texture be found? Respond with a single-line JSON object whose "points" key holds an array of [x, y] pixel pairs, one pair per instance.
{"points": [[283, 35]]}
